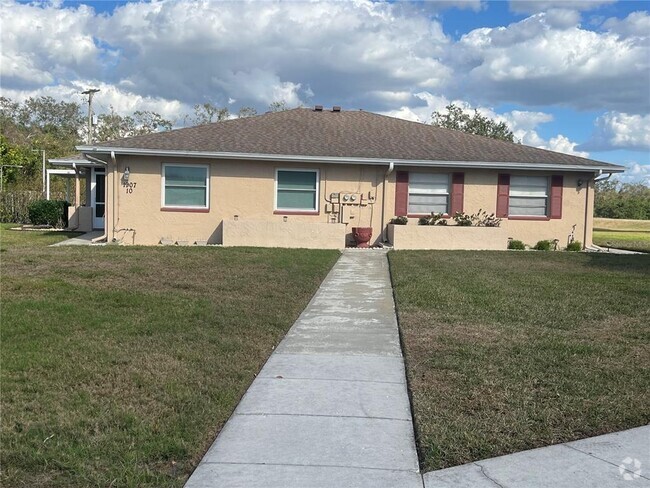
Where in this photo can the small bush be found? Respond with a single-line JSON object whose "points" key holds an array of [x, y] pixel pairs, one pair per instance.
{"points": [[48, 212], [433, 219], [463, 219], [543, 246], [516, 245], [400, 220], [574, 246], [484, 219]]}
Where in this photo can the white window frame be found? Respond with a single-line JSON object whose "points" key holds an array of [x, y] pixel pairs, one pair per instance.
{"points": [[447, 194], [183, 165], [547, 197], [297, 170]]}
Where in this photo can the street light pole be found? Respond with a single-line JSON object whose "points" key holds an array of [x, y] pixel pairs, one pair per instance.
{"points": [[90, 92]]}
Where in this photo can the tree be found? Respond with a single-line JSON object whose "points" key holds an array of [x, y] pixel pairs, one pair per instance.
{"points": [[616, 200], [115, 126], [206, 113], [278, 106], [246, 112], [455, 118]]}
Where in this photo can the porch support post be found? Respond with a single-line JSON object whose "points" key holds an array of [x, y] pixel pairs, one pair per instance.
{"points": [[77, 189]]}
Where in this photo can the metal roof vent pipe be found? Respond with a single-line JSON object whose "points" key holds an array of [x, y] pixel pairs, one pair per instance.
{"points": [[318, 108], [336, 108]]}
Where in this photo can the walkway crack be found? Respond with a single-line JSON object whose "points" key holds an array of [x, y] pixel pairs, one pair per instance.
{"points": [[488, 477]]}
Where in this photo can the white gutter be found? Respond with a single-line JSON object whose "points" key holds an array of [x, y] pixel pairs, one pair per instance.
{"points": [[391, 168], [340, 160]]}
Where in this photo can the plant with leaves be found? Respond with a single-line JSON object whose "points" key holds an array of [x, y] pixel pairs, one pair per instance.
{"points": [[113, 126], [433, 219], [454, 117], [462, 219], [206, 113], [400, 220], [246, 112], [616, 200], [484, 219], [278, 106]]}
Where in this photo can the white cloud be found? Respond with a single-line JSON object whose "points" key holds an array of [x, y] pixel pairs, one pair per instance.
{"points": [[615, 130], [562, 144], [123, 101], [360, 54], [536, 63], [534, 6], [635, 173], [637, 24]]}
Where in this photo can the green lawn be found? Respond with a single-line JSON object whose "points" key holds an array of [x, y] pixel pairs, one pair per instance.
{"points": [[507, 351], [633, 235], [632, 241], [121, 364]]}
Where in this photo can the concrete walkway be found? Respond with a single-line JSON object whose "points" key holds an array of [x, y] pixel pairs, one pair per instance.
{"points": [[614, 460], [82, 240], [330, 408]]}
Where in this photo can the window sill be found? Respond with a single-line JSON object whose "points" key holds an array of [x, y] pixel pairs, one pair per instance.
{"points": [[296, 212], [417, 216], [528, 217], [184, 209]]}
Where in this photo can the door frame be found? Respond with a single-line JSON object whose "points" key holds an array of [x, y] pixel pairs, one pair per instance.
{"points": [[98, 222]]}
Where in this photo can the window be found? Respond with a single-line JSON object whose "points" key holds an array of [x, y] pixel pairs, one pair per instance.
{"points": [[428, 192], [296, 190], [528, 196], [185, 186]]}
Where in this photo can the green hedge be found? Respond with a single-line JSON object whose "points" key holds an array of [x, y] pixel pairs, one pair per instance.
{"points": [[49, 212]]}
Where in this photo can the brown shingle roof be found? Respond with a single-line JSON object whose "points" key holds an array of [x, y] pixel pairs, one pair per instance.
{"points": [[346, 134]]}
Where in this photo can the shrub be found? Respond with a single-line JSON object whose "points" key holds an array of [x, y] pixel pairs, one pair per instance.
{"points": [[463, 219], [400, 220], [574, 246], [543, 246], [48, 212], [433, 219], [483, 219], [516, 245]]}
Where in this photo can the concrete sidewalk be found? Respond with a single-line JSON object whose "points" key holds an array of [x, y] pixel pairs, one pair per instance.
{"points": [[82, 240], [330, 408], [614, 460]]}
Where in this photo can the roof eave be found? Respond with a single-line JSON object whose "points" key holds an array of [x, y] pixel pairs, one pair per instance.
{"points": [[604, 167]]}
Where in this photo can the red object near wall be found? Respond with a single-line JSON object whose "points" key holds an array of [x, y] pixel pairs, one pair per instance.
{"points": [[457, 193], [503, 194], [401, 192], [557, 182]]}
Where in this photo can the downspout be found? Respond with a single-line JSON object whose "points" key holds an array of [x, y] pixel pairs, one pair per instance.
{"points": [[105, 235], [391, 167]]}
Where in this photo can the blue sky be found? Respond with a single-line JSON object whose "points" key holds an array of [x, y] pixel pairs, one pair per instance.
{"points": [[566, 75]]}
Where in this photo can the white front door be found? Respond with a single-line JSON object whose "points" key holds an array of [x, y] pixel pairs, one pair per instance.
{"points": [[98, 196]]}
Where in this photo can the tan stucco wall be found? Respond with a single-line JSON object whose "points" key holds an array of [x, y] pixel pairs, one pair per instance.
{"points": [[247, 189], [262, 233], [447, 237], [237, 188], [480, 192]]}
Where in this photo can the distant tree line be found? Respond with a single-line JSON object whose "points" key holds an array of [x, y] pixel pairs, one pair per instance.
{"points": [[616, 200], [43, 124]]}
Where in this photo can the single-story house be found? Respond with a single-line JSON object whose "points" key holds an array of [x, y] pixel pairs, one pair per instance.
{"points": [[305, 177]]}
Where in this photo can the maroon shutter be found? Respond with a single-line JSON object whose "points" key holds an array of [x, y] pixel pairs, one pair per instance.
{"points": [[457, 192], [503, 194], [557, 182], [401, 192]]}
